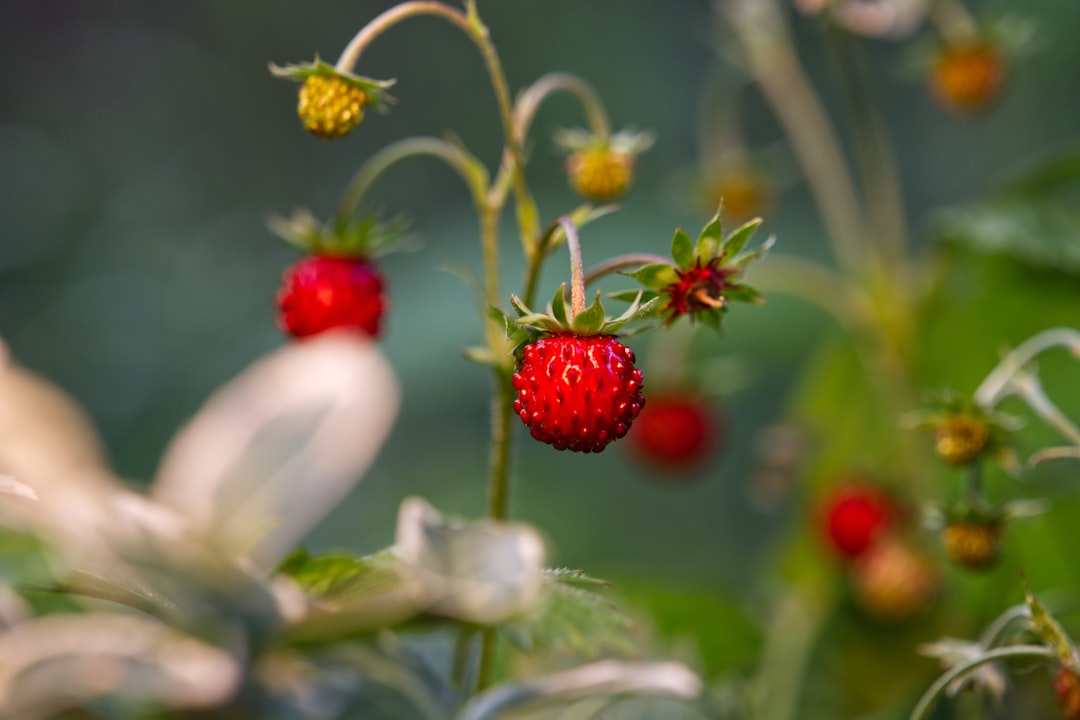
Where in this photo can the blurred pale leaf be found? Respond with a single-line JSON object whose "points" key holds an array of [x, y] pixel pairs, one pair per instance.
{"points": [[274, 450]]}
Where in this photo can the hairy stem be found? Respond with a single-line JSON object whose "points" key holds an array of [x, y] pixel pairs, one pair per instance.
{"points": [[931, 696], [577, 269], [622, 261]]}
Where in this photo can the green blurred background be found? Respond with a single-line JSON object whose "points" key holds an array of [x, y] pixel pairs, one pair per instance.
{"points": [[142, 146]]}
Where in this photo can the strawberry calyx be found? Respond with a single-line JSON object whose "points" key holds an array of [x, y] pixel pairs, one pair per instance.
{"points": [[558, 318], [374, 90], [364, 236], [965, 433], [704, 276]]}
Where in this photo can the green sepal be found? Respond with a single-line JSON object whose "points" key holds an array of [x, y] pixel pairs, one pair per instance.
{"points": [[636, 311], [374, 89], [364, 236], [682, 250], [711, 237], [655, 276], [710, 318], [590, 320], [744, 259], [558, 305], [1047, 626], [519, 306], [744, 294], [736, 241]]}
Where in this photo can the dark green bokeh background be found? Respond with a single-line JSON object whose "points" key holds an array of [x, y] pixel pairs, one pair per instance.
{"points": [[142, 146]]}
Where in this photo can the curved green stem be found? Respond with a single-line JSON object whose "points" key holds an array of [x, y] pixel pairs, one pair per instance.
{"points": [[465, 164], [622, 261], [1028, 388], [529, 103], [931, 696], [996, 629], [998, 384], [817, 285], [469, 22]]}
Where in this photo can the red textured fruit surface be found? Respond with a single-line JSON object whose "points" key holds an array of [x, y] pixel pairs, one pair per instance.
{"points": [[675, 432], [855, 516], [578, 392], [321, 293], [1067, 689]]}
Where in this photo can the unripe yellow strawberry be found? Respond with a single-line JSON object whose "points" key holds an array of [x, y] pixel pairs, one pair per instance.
{"points": [[974, 544], [893, 581], [600, 174], [960, 438], [330, 106], [967, 78], [742, 194]]}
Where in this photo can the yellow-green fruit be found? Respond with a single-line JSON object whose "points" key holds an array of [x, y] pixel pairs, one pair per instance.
{"points": [[893, 582], [330, 106], [961, 438], [975, 545], [600, 174], [743, 195]]}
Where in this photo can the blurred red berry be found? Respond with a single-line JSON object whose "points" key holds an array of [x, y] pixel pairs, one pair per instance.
{"points": [[320, 293], [578, 392], [969, 77], [855, 516], [675, 432], [1067, 689]]}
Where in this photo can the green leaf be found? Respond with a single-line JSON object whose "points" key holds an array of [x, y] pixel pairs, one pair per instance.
{"points": [[1042, 234], [558, 305], [682, 249], [339, 576], [655, 276], [636, 311], [739, 237], [573, 617], [591, 319], [632, 295]]}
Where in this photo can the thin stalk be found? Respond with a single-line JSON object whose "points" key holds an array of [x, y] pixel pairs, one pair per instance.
{"points": [[760, 27], [876, 161], [460, 160], [577, 268], [996, 629], [998, 383], [1030, 390], [622, 261], [975, 485], [931, 696], [460, 670], [487, 659], [469, 22]]}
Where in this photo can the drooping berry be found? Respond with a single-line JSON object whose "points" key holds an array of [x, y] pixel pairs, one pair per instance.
{"points": [[600, 174], [855, 516], [320, 293], [578, 392], [742, 193], [892, 581], [700, 288], [330, 106], [961, 438], [1067, 689], [967, 78], [675, 432], [973, 543]]}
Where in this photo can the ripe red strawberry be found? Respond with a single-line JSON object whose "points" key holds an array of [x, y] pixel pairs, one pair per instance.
{"points": [[1067, 689], [320, 293], [577, 392], [675, 432], [855, 516]]}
